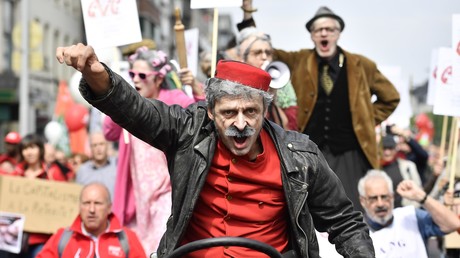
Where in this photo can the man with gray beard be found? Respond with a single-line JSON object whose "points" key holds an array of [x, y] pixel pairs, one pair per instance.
{"points": [[401, 232]]}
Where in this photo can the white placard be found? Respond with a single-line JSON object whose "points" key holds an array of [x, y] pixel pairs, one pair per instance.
{"points": [[191, 44], [447, 96], [432, 77], [456, 49], [111, 23], [198, 4], [403, 112]]}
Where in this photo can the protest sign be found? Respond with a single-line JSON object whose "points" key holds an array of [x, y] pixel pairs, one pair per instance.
{"points": [[46, 205], [111, 23], [447, 94], [197, 4]]}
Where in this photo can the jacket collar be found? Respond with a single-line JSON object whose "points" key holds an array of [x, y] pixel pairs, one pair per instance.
{"points": [[114, 227], [288, 145]]}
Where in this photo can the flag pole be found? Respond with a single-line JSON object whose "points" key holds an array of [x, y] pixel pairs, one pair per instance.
{"points": [[24, 76]]}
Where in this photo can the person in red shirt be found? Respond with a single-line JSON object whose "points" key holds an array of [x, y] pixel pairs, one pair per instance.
{"points": [[95, 231], [10, 158], [32, 165], [32, 161]]}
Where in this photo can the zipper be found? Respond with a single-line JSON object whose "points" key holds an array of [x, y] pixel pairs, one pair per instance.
{"points": [[297, 219]]}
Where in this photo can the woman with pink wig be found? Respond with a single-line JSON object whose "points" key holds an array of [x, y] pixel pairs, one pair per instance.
{"points": [[142, 198]]}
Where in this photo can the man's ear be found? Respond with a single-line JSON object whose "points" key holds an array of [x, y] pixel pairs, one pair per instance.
{"points": [[210, 115], [362, 201]]}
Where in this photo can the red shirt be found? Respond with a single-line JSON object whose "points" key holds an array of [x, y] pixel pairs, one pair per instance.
{"points": [[53, 172], [241, 198]]}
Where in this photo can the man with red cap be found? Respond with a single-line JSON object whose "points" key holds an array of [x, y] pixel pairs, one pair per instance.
{"points": [[10, 158], [233, 172]]}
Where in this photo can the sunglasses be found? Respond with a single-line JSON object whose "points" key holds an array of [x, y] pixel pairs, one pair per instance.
{"points": [[143, 76]]}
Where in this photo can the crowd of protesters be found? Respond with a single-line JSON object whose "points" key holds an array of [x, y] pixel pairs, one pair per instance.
{"points": [[379, 170]]}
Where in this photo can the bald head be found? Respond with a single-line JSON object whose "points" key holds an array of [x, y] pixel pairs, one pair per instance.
{"points": [[100, 188], [95, 208]]}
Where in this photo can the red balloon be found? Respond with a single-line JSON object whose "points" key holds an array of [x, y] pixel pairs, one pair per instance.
{"points": [[76, 117], [422, 121], [425, 128]]}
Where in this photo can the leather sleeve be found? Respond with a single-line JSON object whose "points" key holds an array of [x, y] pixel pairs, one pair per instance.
{"points": [[333, 212], [162, 126]]}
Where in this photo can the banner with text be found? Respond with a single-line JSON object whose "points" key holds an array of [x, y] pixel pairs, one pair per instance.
{"points": [[198, 4], [47, 205], [111, 23]]}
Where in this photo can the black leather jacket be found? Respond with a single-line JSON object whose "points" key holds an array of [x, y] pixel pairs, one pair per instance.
{"points": [[315, 197]]}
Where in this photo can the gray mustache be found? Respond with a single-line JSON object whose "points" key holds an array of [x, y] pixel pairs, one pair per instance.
{"points": [[379, 209], [234, 132]]}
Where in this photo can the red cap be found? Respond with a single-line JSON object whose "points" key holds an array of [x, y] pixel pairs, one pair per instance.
{"points": [[243, 73], [13, 138]]}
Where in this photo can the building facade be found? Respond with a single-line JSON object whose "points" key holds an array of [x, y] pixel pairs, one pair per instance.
{"points": [[53, 23]]}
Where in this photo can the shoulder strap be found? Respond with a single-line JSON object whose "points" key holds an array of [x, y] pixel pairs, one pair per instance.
{"points": [[64, 240], [123, 238]]}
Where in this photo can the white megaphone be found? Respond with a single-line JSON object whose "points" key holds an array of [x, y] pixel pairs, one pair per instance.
{"points": [[280, 74]]}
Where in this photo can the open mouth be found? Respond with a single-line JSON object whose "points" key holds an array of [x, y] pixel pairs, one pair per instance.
{"points": [[240, 140], [324, 43], [137, 88]]}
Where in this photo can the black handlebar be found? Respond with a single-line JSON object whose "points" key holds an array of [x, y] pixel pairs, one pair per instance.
{"points": [[225, 241]]}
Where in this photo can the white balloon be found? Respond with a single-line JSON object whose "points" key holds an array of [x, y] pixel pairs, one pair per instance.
{"points": [[53, 132], [74, 83]]}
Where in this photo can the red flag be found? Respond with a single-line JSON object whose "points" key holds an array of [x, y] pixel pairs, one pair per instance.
{"points": [[63, 100]]}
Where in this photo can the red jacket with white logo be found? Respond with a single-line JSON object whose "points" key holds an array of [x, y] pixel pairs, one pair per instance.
{"points": [[80, 245]]}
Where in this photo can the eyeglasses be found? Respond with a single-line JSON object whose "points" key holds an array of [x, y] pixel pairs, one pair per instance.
{"points": [[143, 76], [329, 30], [374, 199], [258, 52]]}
